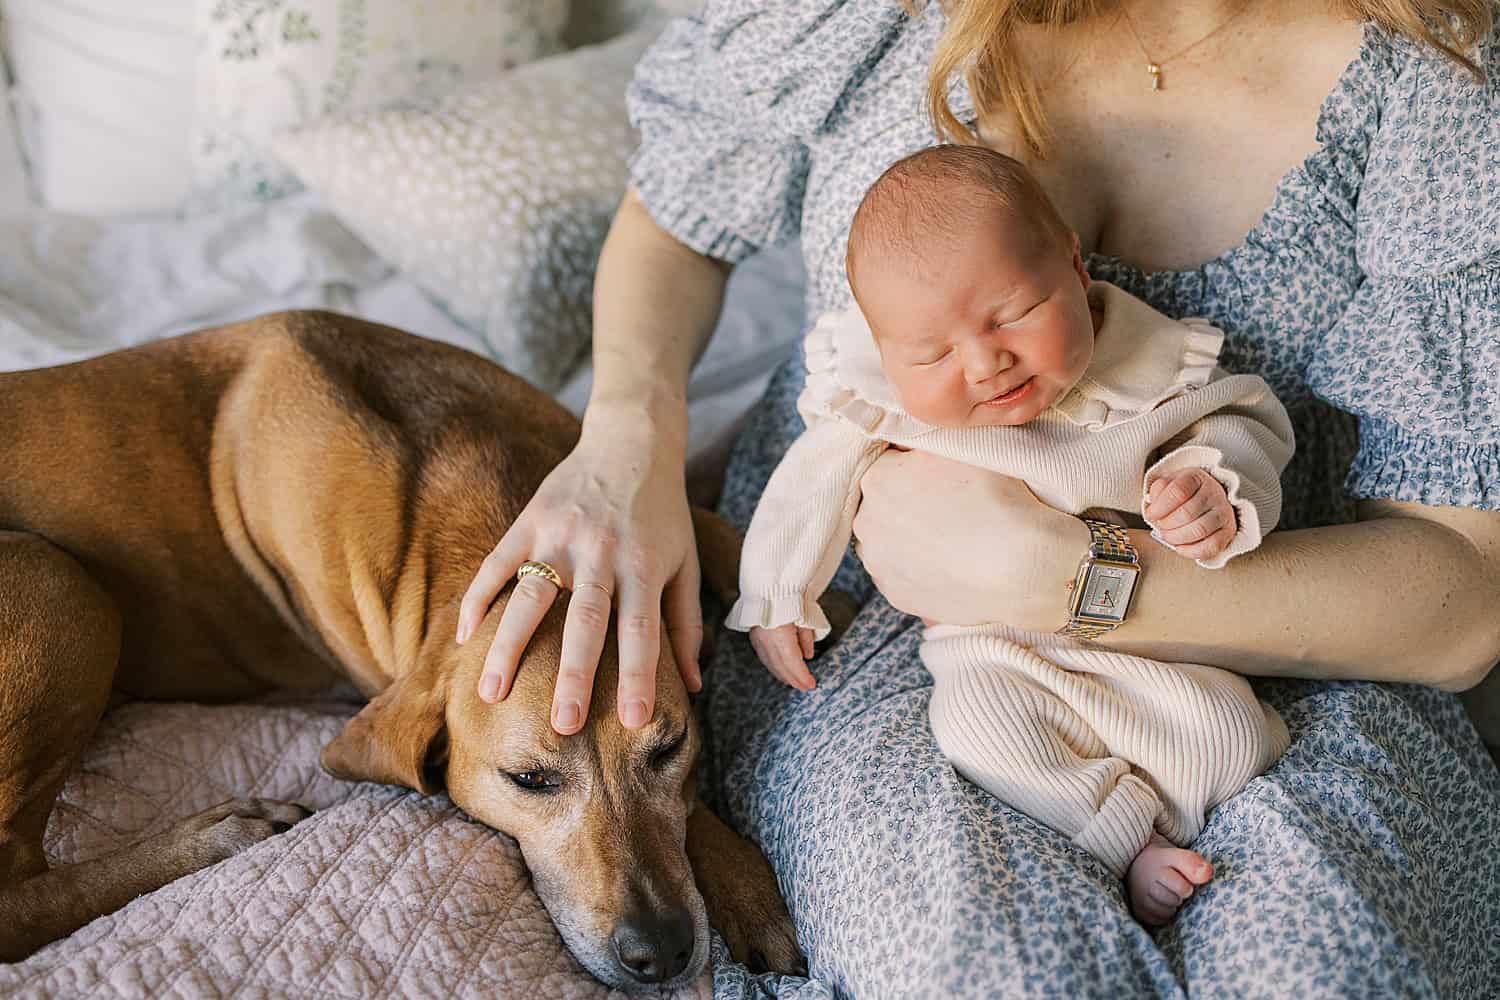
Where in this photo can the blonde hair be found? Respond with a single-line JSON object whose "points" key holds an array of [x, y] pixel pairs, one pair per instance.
{"points": [[980, 33], [939, 192]]}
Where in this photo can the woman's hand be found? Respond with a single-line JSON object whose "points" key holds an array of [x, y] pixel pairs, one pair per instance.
{"points": [[613, 520], [952, 543]]}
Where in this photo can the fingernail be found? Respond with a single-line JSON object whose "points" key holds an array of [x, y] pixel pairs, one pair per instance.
{"points": [[489, 687], [566, 716], [463, 633], [634, 714], [695, 679]]}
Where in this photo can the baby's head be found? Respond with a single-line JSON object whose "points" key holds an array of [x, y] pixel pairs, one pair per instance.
{"points": [[973, 287]]}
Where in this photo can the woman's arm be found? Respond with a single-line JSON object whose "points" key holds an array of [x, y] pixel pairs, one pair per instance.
{"points": [[1408, 593], [614, 513]]}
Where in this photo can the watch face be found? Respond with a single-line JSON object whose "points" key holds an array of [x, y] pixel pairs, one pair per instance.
{"points": [[1106, 591]]}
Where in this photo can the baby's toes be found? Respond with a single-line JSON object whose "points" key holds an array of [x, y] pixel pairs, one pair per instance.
{"points": [[1169, 888], [1192, 866]]}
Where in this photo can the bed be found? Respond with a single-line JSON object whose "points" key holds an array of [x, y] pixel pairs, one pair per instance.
{"points": [[382, 892]]}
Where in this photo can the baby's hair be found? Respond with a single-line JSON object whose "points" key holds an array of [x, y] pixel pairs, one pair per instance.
{"points": [[939, 192]]}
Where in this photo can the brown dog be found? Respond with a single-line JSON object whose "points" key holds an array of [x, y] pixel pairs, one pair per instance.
{"points": [[300, 499]]}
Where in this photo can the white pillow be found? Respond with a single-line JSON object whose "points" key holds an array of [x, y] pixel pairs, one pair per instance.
{"points": [[103, 94], [497, 200], [265, 65]]}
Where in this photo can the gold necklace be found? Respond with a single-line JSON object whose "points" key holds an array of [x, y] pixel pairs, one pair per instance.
{"points": [[1153, 66]]}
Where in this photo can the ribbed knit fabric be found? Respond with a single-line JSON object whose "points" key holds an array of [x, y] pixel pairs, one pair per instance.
{"points": [[1102, 746]]}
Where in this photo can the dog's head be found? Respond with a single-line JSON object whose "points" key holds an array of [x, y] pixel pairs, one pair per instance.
{"points": [[600, 816]]}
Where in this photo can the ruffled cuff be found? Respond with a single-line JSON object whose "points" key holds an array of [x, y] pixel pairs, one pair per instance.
{"points": [[1395, 463], [782, 609], [1247, 499]]}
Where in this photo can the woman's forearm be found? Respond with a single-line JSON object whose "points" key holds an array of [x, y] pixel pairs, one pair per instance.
{"points": [[656, 302], [1409, 593]]}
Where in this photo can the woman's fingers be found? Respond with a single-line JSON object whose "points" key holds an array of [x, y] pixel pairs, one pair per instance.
{"points": [[639, 626], [527, 606], [494, 573], [584, 630], [683, 619]]}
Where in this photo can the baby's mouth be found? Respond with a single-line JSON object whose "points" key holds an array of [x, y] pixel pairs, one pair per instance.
{"points": [[1014, 394]]}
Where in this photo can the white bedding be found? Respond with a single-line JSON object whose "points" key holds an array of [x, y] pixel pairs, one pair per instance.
{"points": [[73, 287], [381, 892]]}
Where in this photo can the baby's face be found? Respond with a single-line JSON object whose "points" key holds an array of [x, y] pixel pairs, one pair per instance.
{"points": [[989, 330]]}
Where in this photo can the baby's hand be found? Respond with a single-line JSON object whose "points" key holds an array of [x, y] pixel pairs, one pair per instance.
{"points": [[1191, 512], [785, 651]]}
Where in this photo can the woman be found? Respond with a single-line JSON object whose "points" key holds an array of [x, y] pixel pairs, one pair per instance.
{"points": [[1357, 147]]}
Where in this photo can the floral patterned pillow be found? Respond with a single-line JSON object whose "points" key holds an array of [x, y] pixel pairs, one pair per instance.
{"points": [[496, 200], [266, 65]]}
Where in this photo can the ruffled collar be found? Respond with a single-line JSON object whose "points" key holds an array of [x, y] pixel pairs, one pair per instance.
{"points": [[1140, 359]]}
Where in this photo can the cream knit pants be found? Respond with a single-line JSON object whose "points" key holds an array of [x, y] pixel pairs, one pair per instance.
{"points": [[1101, 746]]}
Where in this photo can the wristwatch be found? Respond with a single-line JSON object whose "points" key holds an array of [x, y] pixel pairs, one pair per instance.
{"points": [[1105, 582]]}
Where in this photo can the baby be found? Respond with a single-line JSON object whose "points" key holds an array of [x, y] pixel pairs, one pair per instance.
{"points": [[979, 336]]}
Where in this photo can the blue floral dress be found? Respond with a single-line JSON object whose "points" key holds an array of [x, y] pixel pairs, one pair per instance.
{"points": [[1367, 861]]}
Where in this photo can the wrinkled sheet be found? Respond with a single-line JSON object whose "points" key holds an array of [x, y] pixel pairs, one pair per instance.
{"points": [[381, 892]]}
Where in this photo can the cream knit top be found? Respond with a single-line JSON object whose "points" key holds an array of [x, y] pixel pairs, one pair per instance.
{"points": [[1152, 402]]}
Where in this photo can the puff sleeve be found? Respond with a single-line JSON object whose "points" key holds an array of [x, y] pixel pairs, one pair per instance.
{"points": [[726, 103], [1416, 354]]}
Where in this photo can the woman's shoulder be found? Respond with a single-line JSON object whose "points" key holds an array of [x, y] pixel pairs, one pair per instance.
{"points": [[1417, 139], [785, 65]]}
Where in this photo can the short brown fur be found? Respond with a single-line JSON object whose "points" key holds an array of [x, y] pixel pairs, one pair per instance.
{"points": [[295, 500]]}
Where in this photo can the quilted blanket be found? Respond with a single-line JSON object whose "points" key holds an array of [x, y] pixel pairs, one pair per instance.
{"points": [[381, 893]]}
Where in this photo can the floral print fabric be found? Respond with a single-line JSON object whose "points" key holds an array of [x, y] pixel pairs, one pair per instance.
{"points": [[1366, 862]]}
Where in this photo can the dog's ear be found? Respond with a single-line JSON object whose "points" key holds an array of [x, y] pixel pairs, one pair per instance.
{"points": [[718, 555], [399, 738]]}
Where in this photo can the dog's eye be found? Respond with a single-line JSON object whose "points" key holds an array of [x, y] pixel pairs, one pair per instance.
{"points": [[663, 754], [534, 781]]}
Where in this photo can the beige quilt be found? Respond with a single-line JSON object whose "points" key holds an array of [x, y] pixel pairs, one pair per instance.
{"points": [[381, 893]]}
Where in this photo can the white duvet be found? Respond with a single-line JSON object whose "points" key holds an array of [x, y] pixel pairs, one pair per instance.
{"points": [[381, 892]]}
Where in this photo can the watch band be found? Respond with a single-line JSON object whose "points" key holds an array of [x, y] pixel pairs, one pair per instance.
{"points": [[1110, 541], [1106, 541]]}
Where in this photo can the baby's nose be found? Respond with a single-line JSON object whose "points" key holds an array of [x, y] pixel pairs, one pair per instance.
{"points": [[985, 362]]}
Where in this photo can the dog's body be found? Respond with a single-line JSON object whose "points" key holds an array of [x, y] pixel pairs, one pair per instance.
{"points": [[298, 500]]}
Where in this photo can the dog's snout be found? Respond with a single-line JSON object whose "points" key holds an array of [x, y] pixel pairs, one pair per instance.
{"points": [[654, 948]]}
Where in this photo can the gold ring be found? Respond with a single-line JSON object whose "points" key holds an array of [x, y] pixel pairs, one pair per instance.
{"points": [[535, 567], [608, 594]]}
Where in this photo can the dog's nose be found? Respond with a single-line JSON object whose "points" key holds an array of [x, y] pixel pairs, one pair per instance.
{"points": [[654, 947]]}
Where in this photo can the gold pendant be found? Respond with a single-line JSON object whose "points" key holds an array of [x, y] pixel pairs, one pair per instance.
{"points": [[1155, 72]]}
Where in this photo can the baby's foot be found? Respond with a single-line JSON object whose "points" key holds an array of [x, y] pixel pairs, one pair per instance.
{"points": [[1161, 878]]}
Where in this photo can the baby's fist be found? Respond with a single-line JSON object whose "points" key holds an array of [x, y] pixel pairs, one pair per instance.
{"points": [[785, 651], [1191, 512]]}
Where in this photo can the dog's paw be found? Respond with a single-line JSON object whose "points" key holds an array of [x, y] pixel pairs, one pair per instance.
{"points": [[760, 935], [743, 900], [221, 832]]}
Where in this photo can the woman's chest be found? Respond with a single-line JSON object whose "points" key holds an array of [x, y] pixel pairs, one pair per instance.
{"points": [[1169, 178]]}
